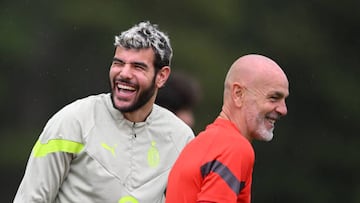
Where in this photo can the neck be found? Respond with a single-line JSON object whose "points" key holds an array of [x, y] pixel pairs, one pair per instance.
{"points": [[223, 115], [139, 115], [238, 125]]}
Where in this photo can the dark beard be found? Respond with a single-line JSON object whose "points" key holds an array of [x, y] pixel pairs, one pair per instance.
{"points": [[144, 97]]}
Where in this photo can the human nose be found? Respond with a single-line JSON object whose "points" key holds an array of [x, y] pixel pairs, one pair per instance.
{"points": [[125, 71], [282, 109]]}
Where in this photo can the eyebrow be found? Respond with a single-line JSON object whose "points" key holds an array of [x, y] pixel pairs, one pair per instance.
{"points": [[132, 63], [278, 94]]}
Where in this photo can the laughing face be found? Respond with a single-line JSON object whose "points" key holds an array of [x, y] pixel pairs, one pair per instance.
{"points": [[133, 79]]}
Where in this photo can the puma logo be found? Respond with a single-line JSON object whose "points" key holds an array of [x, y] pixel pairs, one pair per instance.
{"points": [[111, 149]]}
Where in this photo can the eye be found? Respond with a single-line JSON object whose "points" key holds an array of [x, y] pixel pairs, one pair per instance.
{"points": [[139, 66], [117, 62], [275, 97]]}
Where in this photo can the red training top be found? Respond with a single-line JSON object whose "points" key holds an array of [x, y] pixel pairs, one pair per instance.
{"points": [[216, 166]]}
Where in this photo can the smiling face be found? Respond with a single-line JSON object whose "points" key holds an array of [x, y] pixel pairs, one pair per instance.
{"points": [[133, 79], [254, 96], [264, 104]]}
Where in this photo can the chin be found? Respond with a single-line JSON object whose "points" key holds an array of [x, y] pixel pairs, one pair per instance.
{"points": [[265, 135], [268, 139]]}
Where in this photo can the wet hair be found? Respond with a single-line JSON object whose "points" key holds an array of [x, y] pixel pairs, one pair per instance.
{"points": [[145, 35]]}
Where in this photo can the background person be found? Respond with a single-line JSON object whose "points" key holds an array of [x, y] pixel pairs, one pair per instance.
{"points": [[114, 147], [180, 94], [217, 165]]}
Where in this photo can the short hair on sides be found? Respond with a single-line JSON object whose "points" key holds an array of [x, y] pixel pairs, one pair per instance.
{"points": [[147, 35]]}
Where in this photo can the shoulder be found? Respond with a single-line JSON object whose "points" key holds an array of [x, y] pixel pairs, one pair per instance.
{"points": [[73, 118], [223, 137], [81, 107], [85, 103], [169, 125], [168, 120]]}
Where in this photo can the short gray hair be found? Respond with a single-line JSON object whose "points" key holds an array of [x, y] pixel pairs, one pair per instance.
{"points": [[145, 35]]}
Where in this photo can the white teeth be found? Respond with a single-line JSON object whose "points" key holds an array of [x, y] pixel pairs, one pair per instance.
{"points": [[120, 86], [272, 121]]}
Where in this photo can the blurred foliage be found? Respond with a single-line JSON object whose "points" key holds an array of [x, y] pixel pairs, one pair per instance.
{"points": [[53, 52]]}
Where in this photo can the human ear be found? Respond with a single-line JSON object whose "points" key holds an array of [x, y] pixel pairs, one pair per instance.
{"points": [[162, 76], [237, 94]]}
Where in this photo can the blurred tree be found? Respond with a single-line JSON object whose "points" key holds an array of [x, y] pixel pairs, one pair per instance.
{"points": [[55, 52]]}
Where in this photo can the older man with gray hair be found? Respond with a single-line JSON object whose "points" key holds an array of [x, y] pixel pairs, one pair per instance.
{"points": [[217, 165]]}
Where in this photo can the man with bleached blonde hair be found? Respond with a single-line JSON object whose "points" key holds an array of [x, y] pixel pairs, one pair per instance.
{"points": [[115, 147]]}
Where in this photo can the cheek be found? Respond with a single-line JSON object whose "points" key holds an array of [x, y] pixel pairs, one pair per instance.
{"points": [[254, 115], [261, 108], [267, 108], [111, 72]]}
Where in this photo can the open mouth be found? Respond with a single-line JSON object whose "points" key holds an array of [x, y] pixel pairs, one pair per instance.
{"points": [[126, 88], [124, 91], [271, 121]]}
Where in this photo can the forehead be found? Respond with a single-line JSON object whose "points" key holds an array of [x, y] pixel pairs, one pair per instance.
{"points": [[278, 89], [274, 84], [135, 55]]}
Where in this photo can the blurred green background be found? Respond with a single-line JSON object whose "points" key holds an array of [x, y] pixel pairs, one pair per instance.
{"points": [[53, 52]]}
